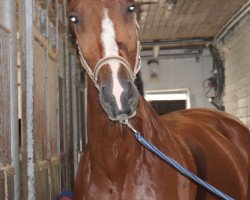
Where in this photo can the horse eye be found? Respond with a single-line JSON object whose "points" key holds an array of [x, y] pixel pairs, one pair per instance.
{"points": [[131, 8], [73, 19]]}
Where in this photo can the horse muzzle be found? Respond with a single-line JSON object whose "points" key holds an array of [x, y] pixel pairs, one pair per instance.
{"points": [[119, 106]]}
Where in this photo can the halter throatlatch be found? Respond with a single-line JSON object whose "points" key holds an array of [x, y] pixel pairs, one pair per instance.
{"points": [[93, 74]]}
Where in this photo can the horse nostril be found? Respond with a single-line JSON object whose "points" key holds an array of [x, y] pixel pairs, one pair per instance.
{"points": [[104, 96], [130, 93], [129, 112]]}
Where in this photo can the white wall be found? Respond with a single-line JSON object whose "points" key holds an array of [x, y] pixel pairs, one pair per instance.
{"points": [[182, 73], [236, 52]]}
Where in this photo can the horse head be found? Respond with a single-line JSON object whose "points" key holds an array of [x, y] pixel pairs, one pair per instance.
{"points": [[109, 49]]}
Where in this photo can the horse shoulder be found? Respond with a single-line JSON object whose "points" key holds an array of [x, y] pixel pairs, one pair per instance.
{"points": [[219, 137], [226, 124]]}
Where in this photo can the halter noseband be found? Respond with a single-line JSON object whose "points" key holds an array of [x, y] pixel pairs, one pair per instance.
{"points": [[93, 74]]}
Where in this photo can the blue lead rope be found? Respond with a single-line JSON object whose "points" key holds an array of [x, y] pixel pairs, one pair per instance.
{"points": [[175, 164]]}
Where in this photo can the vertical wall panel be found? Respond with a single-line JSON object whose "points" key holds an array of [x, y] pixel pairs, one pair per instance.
{"points": [[64, 164], [40, 102], [52, 107], [236, 51], [7, 188], [47, 146], [4, 97], [9, 137]]}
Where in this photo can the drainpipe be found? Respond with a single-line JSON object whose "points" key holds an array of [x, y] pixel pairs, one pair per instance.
{"points": [[27, 45], [177, 42]]}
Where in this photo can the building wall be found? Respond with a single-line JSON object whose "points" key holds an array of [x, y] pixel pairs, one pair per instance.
{"points": [[182, 73], [9, 137], [51, 86], [236, 51]]}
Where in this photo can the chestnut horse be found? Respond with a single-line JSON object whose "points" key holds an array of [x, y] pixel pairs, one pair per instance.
{"points": [[212, 144]]}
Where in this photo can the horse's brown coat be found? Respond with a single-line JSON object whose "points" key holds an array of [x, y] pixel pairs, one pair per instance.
{"points": [[209, 143], [212, 144]]}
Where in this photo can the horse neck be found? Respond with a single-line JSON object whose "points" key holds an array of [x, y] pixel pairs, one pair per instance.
{"points": [[102, 132], [112, 147], [104, 135]]}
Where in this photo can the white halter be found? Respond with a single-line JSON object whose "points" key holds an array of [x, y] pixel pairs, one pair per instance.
{"points": [[93, 74]]}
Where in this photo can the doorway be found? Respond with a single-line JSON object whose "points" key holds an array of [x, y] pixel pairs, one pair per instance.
{"points": [[166, 101]]}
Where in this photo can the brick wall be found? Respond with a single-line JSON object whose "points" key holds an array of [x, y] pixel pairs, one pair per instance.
{"points": [[236, 53]]}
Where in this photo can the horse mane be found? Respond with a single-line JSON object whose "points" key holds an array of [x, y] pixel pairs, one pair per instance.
{"points": [[139, 83]]}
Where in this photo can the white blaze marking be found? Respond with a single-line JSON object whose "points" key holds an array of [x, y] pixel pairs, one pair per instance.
{"points": [[111, 49]]}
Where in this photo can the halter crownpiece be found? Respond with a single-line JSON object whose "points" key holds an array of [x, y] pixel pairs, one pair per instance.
{"points": [[93, 74]]}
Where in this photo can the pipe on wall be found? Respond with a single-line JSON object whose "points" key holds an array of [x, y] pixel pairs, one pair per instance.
{"points": [[172, 56], [177, 42], [27, 43]]}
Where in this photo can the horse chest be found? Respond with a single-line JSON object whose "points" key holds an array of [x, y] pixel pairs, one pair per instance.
{"points": [[142, 181], [139, 185], [153, 182]]}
